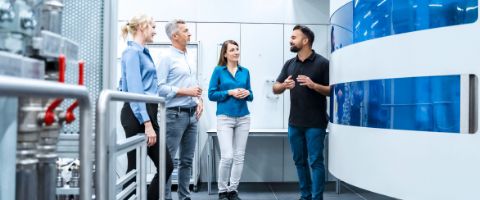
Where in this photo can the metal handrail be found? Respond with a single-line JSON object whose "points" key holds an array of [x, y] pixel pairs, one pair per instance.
{"points": [[123, 180], [105, 186], [130, 144], [21, 87]]}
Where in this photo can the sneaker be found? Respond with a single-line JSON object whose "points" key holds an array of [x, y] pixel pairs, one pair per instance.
{"points": [[188, 198], [233, 195], [223, 196]]}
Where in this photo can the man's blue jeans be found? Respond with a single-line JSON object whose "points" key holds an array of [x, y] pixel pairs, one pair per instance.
{"points": [[182, 136], [307, 147]]}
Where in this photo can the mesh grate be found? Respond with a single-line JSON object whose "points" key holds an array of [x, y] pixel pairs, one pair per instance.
{"points": [[83, 23]]}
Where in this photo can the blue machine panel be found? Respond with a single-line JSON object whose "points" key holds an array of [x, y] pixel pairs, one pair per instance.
{"points": [[363, 20], [418, 103]]}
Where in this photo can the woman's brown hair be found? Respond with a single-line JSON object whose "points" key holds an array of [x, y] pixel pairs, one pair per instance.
{"points": [[222, 61]]}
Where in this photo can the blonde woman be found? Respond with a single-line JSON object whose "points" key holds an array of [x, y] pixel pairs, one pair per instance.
{"points": [[139, 76], [230, 88]]}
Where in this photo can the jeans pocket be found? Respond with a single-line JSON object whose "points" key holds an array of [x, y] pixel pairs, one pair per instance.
{"points": [[172, 114]]}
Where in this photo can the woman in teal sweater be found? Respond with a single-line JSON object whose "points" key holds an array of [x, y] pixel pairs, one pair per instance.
{"points": [[230, 88]]}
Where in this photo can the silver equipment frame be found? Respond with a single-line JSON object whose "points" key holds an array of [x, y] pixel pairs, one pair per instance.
{"points": [[21, 87]]}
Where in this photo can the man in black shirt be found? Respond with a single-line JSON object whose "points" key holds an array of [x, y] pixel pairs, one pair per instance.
{"points": [[306, 76]]}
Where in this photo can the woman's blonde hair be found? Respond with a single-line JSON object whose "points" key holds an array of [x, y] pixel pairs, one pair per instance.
{"points": [[135, 24]]}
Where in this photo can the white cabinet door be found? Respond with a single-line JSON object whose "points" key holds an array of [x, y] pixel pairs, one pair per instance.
{"points": [[262, 53], [211, 37]]}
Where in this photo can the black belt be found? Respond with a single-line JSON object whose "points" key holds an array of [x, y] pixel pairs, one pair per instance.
{"points": [[184, 109]]}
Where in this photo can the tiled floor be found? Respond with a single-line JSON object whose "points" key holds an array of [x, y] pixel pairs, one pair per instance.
{"points": [[288, 191]]}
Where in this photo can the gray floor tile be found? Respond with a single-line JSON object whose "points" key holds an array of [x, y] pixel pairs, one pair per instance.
{"points": [[367, 194], [287, 191]]}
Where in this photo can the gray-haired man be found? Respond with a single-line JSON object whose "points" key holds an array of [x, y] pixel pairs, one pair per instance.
{"points": [[178, 84]]}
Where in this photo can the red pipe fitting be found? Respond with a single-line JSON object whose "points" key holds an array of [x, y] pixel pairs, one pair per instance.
{"points": [[69, 115], [61, 71], [49, 118]]}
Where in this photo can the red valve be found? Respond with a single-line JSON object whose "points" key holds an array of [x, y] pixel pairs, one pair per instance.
{"points": [[69, 116], [49, 114]]}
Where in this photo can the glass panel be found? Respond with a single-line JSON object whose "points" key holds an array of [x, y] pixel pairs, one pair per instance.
{"points": [[370, 19], [418, 103], [341, 31], [374, 19]]}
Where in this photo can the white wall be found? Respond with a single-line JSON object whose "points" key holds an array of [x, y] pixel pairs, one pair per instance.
{"points": [[244, 11], [336, 4], [262, 28]]}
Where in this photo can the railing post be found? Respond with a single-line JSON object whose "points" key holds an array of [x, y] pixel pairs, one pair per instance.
{"points": [[105, 149], [161, 144]]}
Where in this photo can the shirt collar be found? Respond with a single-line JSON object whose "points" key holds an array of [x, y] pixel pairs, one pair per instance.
{"points": [[177, 50], [137, 46], [240, 68], [310, 58]]}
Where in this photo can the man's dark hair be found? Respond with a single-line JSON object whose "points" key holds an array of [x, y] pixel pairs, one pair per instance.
{"points": [[307, 32]]}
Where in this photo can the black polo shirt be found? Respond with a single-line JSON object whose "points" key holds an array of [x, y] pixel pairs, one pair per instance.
{"points": [[308, 108]]}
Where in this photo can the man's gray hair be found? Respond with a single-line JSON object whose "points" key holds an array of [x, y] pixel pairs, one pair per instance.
{"points": [[172, 27]]}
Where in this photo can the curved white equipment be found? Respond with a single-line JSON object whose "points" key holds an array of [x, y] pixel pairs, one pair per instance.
{"points": [[401, 163]]}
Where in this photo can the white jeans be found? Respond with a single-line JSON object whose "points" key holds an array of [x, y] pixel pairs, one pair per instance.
{"points": [[232, 135]]}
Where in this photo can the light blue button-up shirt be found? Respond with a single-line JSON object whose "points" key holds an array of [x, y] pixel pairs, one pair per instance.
{"points": [[175, 70], [138, 76]]}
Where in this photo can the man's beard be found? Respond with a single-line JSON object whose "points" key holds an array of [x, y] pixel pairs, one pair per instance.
{"points": [[294, 49]]}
